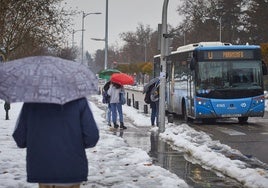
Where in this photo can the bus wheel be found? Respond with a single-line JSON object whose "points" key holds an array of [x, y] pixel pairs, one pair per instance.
{"points": [[184, 112], [209, 121], [242, 120], [170, 118]]}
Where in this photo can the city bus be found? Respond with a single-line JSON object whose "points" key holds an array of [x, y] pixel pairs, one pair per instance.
{"points": [[211, 80]]}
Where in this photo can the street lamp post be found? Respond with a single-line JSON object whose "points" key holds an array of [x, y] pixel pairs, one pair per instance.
{"points": [[74, 31], [83, 25], [145, 50], [164, 51], [106, 36], [219, 21], [220, 27]]}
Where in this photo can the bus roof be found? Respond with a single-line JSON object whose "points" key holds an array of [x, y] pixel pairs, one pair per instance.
{"points": [[211, 46], [232, 47], [191, 47]]}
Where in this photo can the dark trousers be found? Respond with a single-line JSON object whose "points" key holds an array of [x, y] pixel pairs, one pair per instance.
{"points": [[154, 115], [56, 186]]}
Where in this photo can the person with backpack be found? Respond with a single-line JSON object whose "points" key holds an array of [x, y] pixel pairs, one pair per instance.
{"points": [[152, 98], [106, 100], [114, 92], [154, 105]]}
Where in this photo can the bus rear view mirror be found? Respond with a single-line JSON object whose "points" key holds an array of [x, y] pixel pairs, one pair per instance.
{"points": [[192, 64]]}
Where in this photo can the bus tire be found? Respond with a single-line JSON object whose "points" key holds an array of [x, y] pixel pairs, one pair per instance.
{"points": [[170, 118], [209, 121], [184, 112], [242, 120]]}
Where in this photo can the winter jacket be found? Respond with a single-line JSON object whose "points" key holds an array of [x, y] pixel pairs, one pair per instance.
{"points": [[114, 93], [56, 137]]}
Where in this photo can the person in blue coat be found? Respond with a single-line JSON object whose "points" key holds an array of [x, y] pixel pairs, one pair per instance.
{"points": [[56, 137]]}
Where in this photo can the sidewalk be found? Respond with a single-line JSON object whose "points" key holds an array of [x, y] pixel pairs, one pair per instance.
{"points": [[112, 163]]}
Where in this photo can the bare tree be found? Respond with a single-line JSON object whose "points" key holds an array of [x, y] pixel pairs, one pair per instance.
{"points": [[137, 44], [257, 26], [29, 26], [203, 16]]}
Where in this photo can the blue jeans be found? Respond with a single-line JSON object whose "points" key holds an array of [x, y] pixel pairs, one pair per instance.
{"points": [[116, 107], [108, 114], [154, 114]]}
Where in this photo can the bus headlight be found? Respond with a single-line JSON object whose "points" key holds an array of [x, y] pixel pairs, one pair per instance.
{"points": [[257, 100], [203, 91], [203, 102]]}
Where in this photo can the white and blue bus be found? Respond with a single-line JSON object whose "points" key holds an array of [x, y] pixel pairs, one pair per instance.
{"points": [[211, 80]]}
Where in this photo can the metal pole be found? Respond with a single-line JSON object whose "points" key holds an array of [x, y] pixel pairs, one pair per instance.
{"points": [[74, 31], [220, 28], [145, 52], [82, 58], [106, 36], [83, 25], [164, 52], [73, 39]]}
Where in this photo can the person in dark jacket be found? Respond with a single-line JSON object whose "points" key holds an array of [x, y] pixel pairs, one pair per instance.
{"points": [[56, 137], [7, 108], [154, 104]]}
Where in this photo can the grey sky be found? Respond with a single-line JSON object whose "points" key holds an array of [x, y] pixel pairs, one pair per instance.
{"points": [[123, 16]]}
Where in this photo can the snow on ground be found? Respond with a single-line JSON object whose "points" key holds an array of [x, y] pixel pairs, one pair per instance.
{"points": [[112, 163], [200, 146]]}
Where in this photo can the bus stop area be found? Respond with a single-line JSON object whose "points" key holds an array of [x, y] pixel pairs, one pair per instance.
{"points": [[168, 156]]}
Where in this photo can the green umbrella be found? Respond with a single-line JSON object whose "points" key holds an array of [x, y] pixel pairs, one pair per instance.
{"points": [[106, 74]]}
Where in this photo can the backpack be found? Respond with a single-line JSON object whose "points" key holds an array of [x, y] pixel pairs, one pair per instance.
{"points": [[147, 98], [105, 97], [154, 94], [122, 99]]}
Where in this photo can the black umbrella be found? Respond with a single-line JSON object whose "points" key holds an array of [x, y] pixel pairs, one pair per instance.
{"points": [[150, 84]]}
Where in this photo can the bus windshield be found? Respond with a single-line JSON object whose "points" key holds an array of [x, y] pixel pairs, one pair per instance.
{"points": [[226, 75]]}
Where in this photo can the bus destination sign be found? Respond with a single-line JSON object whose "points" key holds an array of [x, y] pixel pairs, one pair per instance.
{"points": [[231, 54]]}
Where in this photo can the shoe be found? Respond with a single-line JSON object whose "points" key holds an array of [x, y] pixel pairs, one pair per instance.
{"points": [[122, 126], [116, 125]]}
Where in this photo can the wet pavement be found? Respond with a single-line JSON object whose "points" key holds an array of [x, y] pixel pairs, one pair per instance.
{"points": [[176, 161]]}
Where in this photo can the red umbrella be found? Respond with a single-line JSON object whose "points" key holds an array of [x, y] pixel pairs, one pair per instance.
{"points": [[122, 79]]}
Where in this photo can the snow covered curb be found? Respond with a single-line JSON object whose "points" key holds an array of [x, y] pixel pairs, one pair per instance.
{"points": [[199, 146]]}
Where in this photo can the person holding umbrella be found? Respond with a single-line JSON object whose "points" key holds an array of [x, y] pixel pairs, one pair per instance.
{"points": [[117, 93], [56, 124], [56, 137], [154, 104], [151, 91], [116, 105], [106, 100]]}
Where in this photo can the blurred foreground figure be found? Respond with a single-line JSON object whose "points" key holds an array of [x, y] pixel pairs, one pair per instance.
{"points": [[56, 137]]}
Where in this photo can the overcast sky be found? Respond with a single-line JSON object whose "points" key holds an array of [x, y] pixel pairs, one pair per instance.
{"points": [[123, 16]]}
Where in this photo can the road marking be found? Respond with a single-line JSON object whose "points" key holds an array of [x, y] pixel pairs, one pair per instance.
{"points": [[230, 132]]}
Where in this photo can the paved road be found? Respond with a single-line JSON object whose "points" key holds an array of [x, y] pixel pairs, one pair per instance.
{"points": [[251, 139]]}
